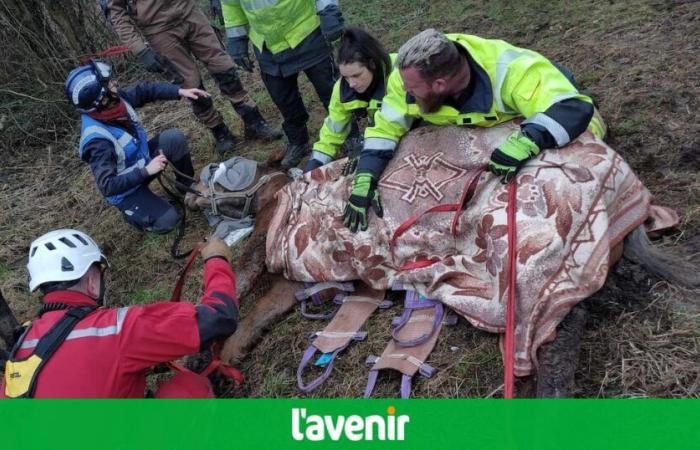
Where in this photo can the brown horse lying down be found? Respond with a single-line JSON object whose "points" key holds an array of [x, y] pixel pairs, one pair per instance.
{"points": [[574, 207]]}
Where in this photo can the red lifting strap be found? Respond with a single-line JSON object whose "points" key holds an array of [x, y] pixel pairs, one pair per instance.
{"points": [[177, 292], [216, 363], [509, 344], [467, 194], [112, 51]]}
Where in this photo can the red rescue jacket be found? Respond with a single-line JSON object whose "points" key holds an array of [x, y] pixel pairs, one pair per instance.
{"points": [[108, 352]]}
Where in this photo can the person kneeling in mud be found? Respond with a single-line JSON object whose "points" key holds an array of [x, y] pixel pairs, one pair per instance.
{"points": [[115, 145], [78, 348], [364, 68]]}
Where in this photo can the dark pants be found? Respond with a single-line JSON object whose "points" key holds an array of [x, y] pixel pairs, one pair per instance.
{"points": [[144, 209], [285, 93]]}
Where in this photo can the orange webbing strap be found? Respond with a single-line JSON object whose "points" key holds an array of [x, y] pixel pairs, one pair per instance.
{"points": [[509, 344], [467, 194]]}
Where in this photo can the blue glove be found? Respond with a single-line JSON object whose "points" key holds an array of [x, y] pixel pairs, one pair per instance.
{"points": [[331, 22], [238, 50]]}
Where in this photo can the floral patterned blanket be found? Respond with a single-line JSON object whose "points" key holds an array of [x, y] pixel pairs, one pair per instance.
{"points": [[574, 205]]}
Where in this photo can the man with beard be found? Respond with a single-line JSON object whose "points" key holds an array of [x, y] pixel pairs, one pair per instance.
{"points": [[464, 80]]}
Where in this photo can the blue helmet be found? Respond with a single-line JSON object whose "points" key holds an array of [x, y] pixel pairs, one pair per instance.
{"points": [[87, 85]]}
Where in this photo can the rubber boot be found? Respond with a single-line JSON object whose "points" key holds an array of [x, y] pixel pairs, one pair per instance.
{"points": [[294, 154], [225, 140], [255, 126]]}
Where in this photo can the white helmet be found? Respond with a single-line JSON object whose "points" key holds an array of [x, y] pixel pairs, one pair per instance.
{"points": [[61, 255]]}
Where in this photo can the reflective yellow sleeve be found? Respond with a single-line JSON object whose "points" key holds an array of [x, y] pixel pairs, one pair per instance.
{"points": [[392, 121], [533, 84], [233, 13], [335, 128]]}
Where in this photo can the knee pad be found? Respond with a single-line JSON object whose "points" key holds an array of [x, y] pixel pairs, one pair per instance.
{"points": [[229, 83]]}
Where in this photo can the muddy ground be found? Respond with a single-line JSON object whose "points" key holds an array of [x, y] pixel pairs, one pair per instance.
{"points": [[637, 58]]}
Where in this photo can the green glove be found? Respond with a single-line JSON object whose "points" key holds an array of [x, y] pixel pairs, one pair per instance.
{"points": [[364, 194], [507, 159]]}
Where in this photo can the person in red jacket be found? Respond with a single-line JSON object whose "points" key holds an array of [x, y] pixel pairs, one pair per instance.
{"points": [[107, 352]]}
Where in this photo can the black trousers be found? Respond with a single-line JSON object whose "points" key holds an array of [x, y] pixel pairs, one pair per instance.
{"points": [[144, 209], [285, 93]]}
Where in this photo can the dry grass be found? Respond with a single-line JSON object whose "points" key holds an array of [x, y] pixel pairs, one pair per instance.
{"points": [[636, 58]]}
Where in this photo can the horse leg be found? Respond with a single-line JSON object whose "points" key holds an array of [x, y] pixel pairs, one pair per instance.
{"points": [[277, 301], [558, 359]]}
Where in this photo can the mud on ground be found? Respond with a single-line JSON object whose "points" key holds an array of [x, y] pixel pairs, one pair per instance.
{"points": [[637, 58]]}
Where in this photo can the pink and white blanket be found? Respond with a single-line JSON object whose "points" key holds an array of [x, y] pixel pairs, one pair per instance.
{"points": [[574, 205]]}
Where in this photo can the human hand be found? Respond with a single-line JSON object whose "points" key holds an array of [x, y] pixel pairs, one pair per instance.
{"points": [[193, 93], [156, 165], [216, 247], [364, 194], [331, 22], [238, 51], [510, 156]]}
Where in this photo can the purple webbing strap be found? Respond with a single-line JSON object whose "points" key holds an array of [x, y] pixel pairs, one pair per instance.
{"points": [[313, 290], [309, 353], [406, 386], [371, 381], [411, 303], [317, 316]]}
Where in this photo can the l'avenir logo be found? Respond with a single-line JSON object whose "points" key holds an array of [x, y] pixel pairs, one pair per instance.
{"points": [[314, 427]]}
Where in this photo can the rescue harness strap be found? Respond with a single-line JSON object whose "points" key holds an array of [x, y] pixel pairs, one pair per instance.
{"points": [[21, 375]]}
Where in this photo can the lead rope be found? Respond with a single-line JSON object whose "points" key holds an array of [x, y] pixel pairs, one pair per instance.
{"points": [[509, 344]]}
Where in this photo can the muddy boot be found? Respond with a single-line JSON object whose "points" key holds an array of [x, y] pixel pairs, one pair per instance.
{"points": [[255, 126], [294, 154], [225, 140]]}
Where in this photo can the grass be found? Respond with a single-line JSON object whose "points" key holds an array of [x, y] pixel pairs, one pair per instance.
{"points": [[634, 56], [143, 296]]}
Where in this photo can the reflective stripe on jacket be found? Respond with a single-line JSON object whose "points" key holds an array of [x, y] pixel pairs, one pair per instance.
{"points": [[108, 352], [344, 103], [276, 24], [507, 82], [131, 151]]}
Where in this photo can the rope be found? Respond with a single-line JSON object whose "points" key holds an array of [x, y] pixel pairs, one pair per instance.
{"points": [[111, 51], [180, 233]]}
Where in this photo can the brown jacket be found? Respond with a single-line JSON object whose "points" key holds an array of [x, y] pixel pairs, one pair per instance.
{"points": [[136, 20]]}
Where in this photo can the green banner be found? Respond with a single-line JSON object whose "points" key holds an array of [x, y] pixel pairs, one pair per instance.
{"points": [[350, 424]]}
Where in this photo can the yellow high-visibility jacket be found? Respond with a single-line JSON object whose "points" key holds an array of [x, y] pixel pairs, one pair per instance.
{"points": [[346, 102], [279, 24], [507, 82]]}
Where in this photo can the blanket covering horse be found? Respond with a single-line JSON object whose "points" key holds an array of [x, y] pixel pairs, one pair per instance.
{"points": [[574, 206]]}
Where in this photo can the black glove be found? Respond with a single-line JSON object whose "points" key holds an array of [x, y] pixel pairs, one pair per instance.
{"points": [[238, 50], [510, 156], [153, 62], [312, 164], [331, 22], [350, 165], [363, 196]]}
